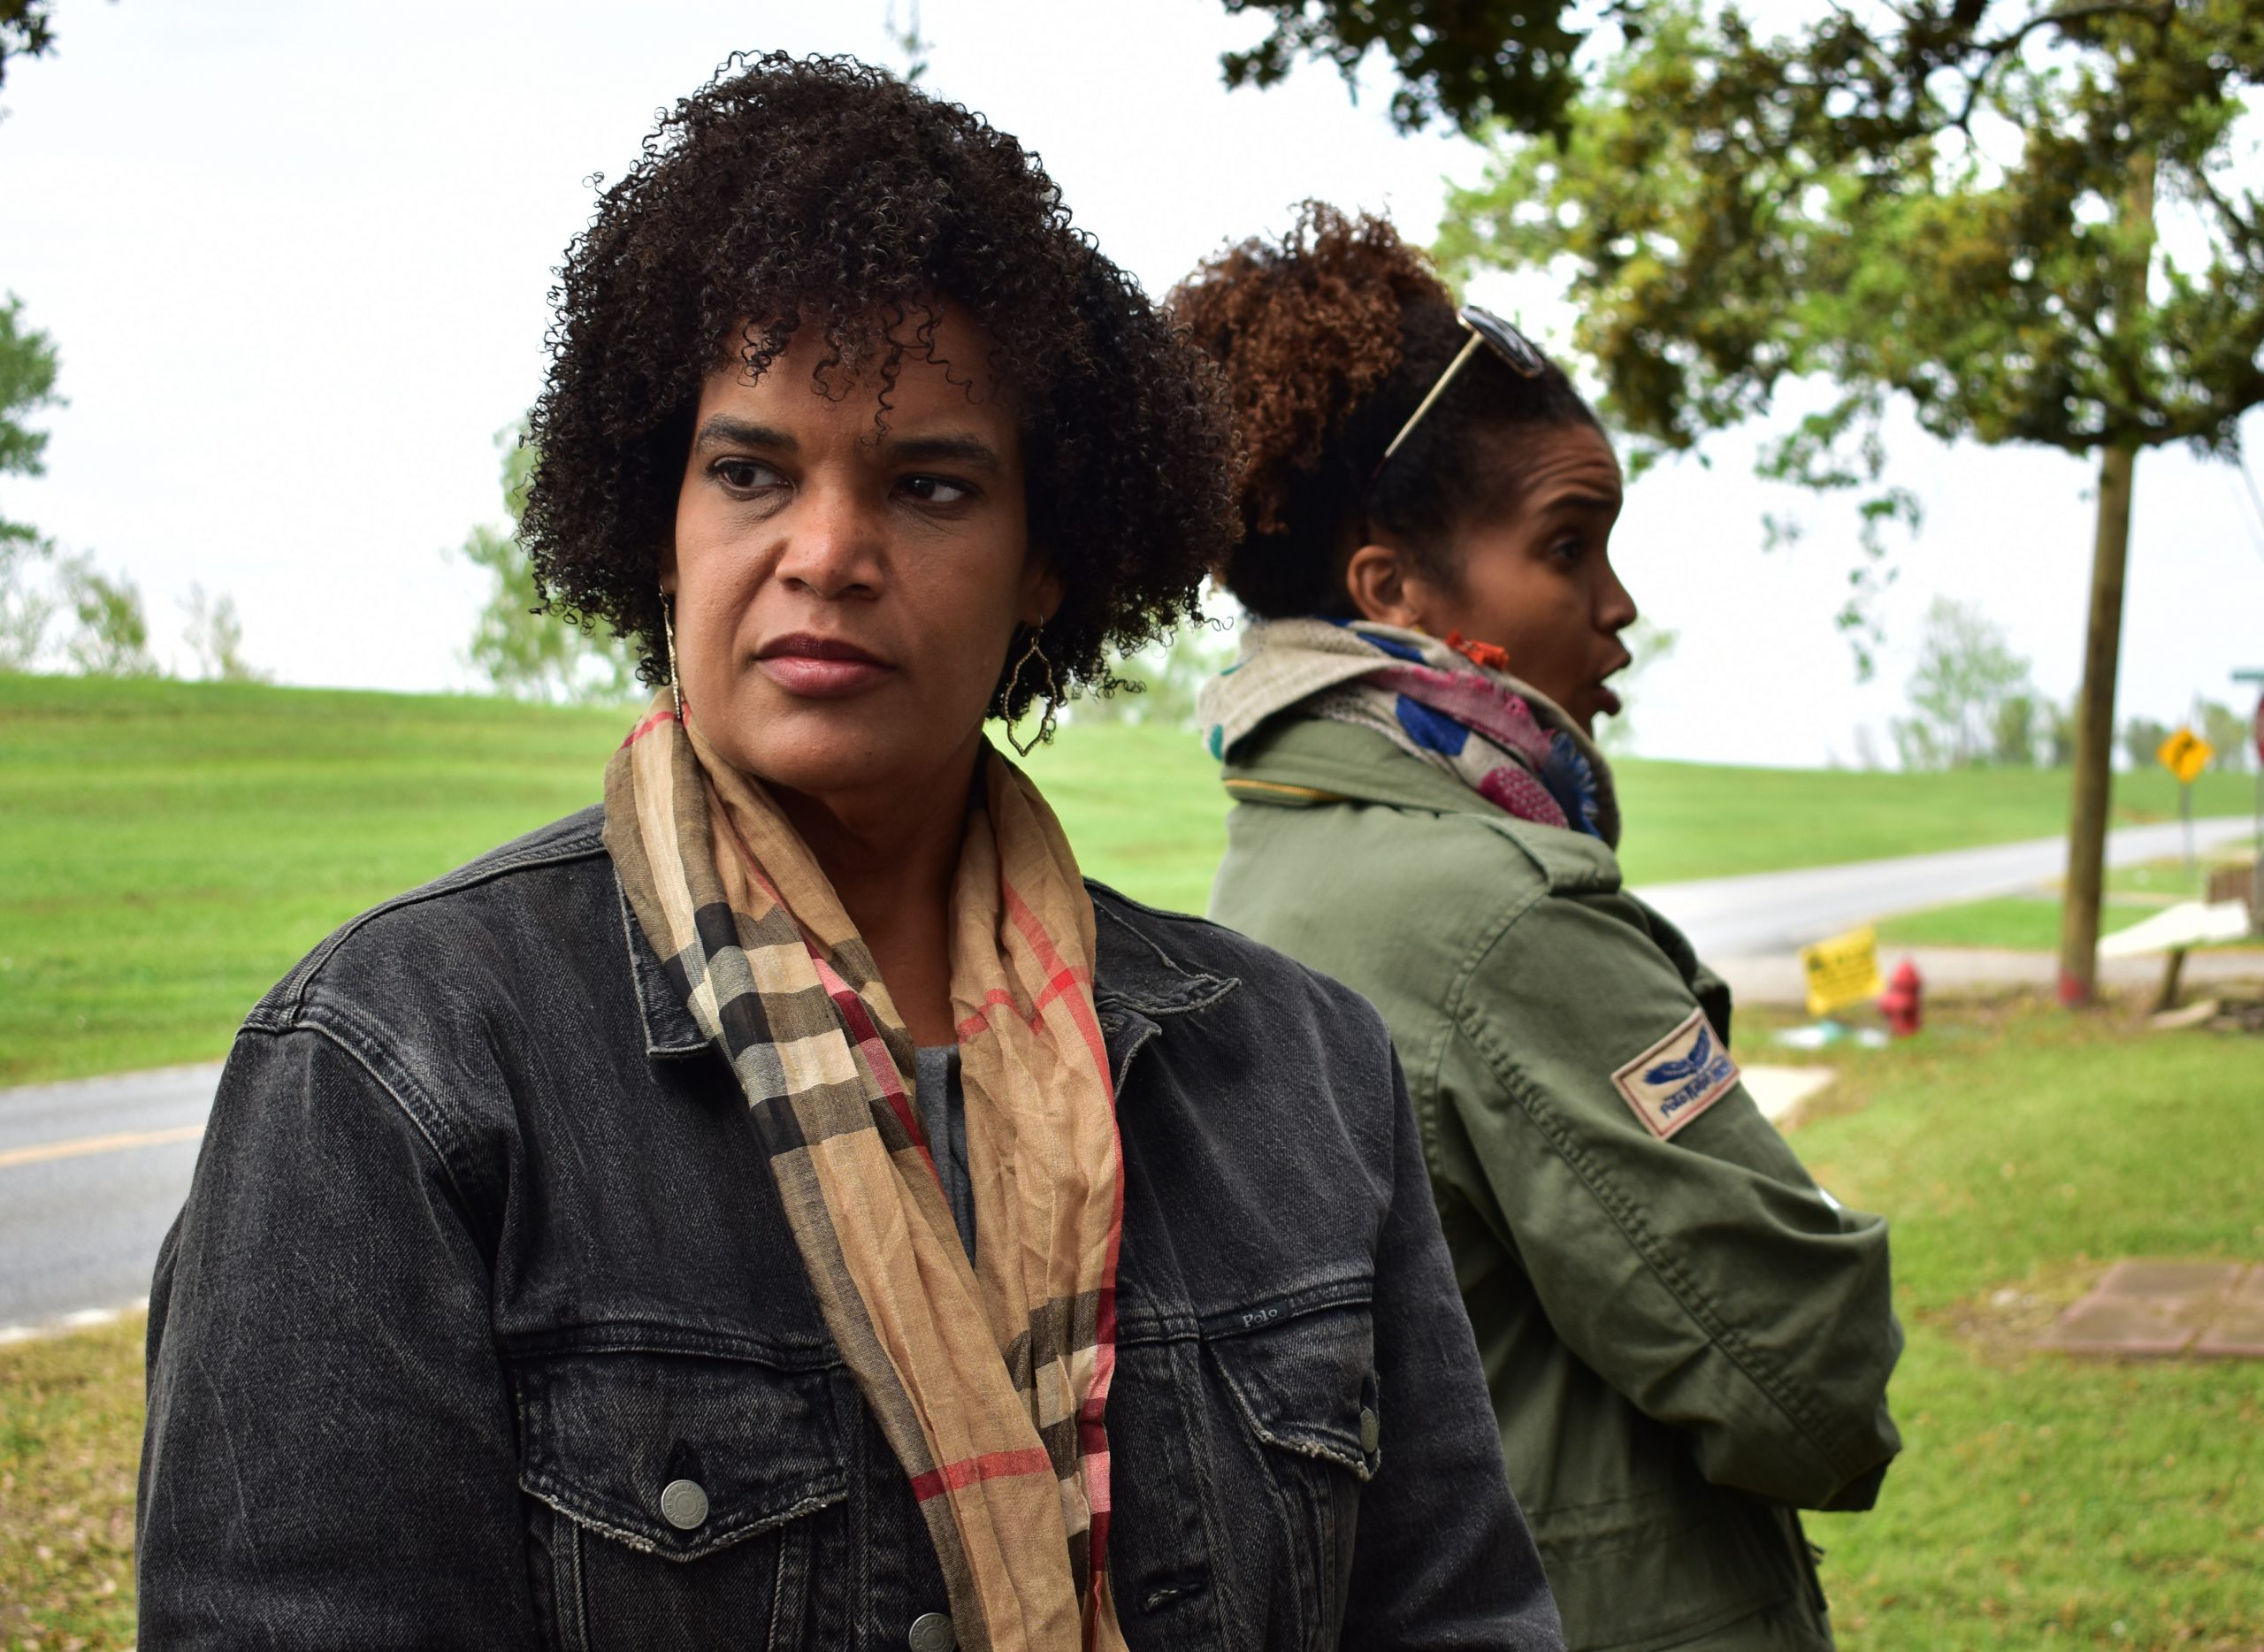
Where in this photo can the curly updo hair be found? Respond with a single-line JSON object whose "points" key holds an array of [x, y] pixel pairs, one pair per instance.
{"points": [[1330, 339], [824, 193]]}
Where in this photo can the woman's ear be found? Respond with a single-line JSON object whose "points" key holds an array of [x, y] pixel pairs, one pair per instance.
{"points": [[665, 565], [1042, 594], [1376, 580]]}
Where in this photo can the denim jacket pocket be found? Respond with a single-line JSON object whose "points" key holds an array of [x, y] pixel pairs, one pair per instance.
{"points": [[1305, 1392], [686, 1483], [1306, 1383]]}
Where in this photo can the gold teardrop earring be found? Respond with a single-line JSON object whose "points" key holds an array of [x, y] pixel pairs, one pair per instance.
{"points": [[1013, 688], [667, 632]]}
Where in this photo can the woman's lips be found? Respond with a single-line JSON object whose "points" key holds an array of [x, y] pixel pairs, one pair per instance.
{"points": [[1607, 702], [819, 668]]}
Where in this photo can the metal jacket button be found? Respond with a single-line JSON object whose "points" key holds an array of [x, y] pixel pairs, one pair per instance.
{"points": [[1371, 1429], [684, 1505], [932, 1632]]}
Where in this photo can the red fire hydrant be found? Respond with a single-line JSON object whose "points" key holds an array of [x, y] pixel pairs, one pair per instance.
{"points": [[1903, 1001]]}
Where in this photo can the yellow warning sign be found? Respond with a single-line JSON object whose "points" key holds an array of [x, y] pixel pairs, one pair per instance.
{"points": [[1841, 971], [2185, 755]]}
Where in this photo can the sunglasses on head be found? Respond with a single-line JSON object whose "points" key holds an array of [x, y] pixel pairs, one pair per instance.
{"points": [[1512, 348]]}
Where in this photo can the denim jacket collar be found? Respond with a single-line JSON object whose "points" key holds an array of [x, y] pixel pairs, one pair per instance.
{"points": [[1135, 982], [669, 1032]]}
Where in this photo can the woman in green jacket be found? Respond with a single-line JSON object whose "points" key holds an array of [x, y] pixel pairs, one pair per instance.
{"points": [[1685, 1339]]}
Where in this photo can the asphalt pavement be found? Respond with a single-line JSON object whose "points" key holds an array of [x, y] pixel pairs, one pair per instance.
{"points": [[93, 1172], [1776, 913]]}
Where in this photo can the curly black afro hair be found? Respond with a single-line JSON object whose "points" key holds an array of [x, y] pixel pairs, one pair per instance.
{"points": [[1329, 339], [824, 192]]}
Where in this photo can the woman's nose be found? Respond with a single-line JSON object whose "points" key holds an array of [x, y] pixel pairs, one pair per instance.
{"points": [[833, 545], [1615, 605]]}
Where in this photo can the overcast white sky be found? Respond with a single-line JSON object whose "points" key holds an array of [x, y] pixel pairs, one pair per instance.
{"points": [[295, 260]]}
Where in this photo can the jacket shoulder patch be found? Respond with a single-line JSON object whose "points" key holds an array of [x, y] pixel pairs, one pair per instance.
{"points": [[1678, 1077]]}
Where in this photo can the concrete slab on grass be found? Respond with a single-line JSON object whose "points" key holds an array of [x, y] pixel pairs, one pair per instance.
{"points": [[1778, 1091], [2238, 1333], [2146, 1308]]}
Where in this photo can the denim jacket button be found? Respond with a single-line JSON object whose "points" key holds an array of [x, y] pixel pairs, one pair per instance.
{"points": [[932, 1632], [1371, 1429], [684, 1505]]}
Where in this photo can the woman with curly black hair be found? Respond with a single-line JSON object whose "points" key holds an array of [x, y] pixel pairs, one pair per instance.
{"points": [[786, 1205], [1685, 1338]]}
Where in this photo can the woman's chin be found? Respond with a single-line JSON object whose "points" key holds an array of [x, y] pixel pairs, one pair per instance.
{"points": [[835, 747], [816, 769]]}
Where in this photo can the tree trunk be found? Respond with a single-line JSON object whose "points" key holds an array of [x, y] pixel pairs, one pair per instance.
{"points": [[2102, 648], [2095, 733]]}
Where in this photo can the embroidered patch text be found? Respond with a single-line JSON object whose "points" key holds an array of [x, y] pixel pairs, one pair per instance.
{"points": [[1678, 1077]]}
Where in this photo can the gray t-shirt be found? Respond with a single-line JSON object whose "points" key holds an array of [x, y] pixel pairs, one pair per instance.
{"points": [[943, 1114]]}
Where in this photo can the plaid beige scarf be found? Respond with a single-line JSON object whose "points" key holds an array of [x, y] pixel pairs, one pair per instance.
{"points": [[990, 1379]]}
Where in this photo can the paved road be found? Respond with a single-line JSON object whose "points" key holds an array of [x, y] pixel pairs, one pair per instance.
{"points": [[92, 1173], [1780, 911]]}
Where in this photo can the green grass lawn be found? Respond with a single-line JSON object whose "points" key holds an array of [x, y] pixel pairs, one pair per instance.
{"points": [[70, 1437], [2020, 922], [172, 848], [2032, 921], [167, 850], [2039, 1501], [1688, 820], [2043, 1500]]}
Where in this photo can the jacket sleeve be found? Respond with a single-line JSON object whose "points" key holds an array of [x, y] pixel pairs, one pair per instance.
{"points": [[1442, 1557], [329, 1455], [1702, 1274]]}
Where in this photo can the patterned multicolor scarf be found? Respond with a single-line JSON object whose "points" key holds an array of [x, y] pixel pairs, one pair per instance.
{"points": [[990, 1379], [1448, 703]]}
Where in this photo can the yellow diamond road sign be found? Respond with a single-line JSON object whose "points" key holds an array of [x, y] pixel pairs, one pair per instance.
{"points": [[2185, 755], [1841, 971]]}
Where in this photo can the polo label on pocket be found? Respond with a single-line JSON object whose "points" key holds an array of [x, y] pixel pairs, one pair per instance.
{"points": [[1678, 1077]]}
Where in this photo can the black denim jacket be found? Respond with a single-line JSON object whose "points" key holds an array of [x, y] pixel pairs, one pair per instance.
{"points": [[481, 1256]]}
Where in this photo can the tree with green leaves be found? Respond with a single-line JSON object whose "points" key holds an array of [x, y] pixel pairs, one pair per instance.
{"points": [[1478, 63], [2142, 742], [27, 374], [2020, 220], [1970, 701], [215, 636], [1162, 682], [25, 31], [24, 607], [2229, 734], [113, 635], [517, 644]]}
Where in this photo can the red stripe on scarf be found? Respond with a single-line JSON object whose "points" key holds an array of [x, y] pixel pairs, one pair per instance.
{"points": [[1093, 1427], [967, 1471], [1049, 959], [866, 1037], [862, 1034], [997, 998], [979, 1021], [647, 726]]}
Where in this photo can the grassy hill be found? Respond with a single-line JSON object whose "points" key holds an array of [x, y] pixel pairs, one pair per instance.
{"points": [[168, 849]]}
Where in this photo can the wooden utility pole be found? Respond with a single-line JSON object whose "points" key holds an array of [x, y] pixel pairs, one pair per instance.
{"points": [[2095, 733], [2094, 776]]}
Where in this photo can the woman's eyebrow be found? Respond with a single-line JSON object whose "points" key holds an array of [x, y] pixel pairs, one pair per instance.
{"points": [[723, 430], [951, 447]]}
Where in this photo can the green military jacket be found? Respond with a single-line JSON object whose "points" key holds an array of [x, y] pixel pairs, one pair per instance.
{"points": [[1686, 1340]]}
